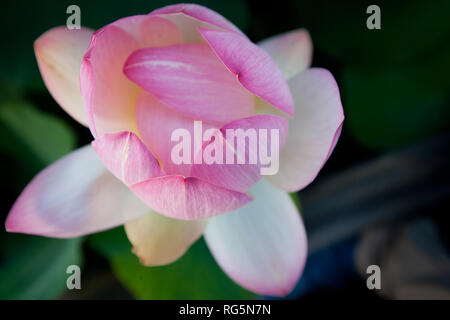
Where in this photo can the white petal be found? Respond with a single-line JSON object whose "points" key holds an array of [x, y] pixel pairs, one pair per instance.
{"points": [[291, 51], [261, 246], [158, 240], [59, 53], [313, 132], [74, 196]]}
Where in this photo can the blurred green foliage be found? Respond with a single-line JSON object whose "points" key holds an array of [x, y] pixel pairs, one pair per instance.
{"points": [[35, 267], [394, 81], [32, 267], [392, 107], [394, 86], [23, 121], [410, 30], [194, 276]]}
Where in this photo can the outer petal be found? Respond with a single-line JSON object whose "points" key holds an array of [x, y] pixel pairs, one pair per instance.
{"points": [[127, 157], [188, 198], [74, 196], [314, 131], [253, 67], [261, 246], [190, 79], [241, 176], [158, 240], [59, 52], [109, 97], [291, 51], [188, 17]]}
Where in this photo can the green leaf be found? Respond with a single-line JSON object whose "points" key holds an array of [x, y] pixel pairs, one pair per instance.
{"points": [[194, 276], [35, 267]]}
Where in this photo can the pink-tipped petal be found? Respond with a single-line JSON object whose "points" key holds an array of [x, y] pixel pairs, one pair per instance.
{"points": [[59, 53], [127, 157], [189, 17], [262, 246], [253, 67], [188, 198], [314, 131], [74, 196], [157, 123], [158, 240], [240, 176], [291, 51], [190, 79], [109, 97]]}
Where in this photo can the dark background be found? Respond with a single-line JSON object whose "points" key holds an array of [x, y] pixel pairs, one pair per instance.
{"points": [[381, 199]]}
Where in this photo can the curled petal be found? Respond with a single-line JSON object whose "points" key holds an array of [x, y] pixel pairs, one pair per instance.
{"points": [[262, 246], [59, 53], [291, 51], [188, 198], [158, 240], [74, 196], [127, 157], [248, 158], [314, 131], [253, 67]]}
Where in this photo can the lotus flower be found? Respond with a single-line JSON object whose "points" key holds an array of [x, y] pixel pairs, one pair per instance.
{"points": [[136, 80]]}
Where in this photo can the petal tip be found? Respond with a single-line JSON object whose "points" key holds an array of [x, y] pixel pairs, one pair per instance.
{"points": [[9, 225], [59, 53], [268, 83]]}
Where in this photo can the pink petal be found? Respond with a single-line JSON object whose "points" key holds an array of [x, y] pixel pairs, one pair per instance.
{"points": [[188, 198], [148, 30], [291, 51], [74, 196], [156, 124], [190, 79], [253, 67], [127, 157], [314, 131], [59, 52], [157, 31], [130, 25], [158, 240], [240, 177], [108, 95], [199, 16], [262, 246]]}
